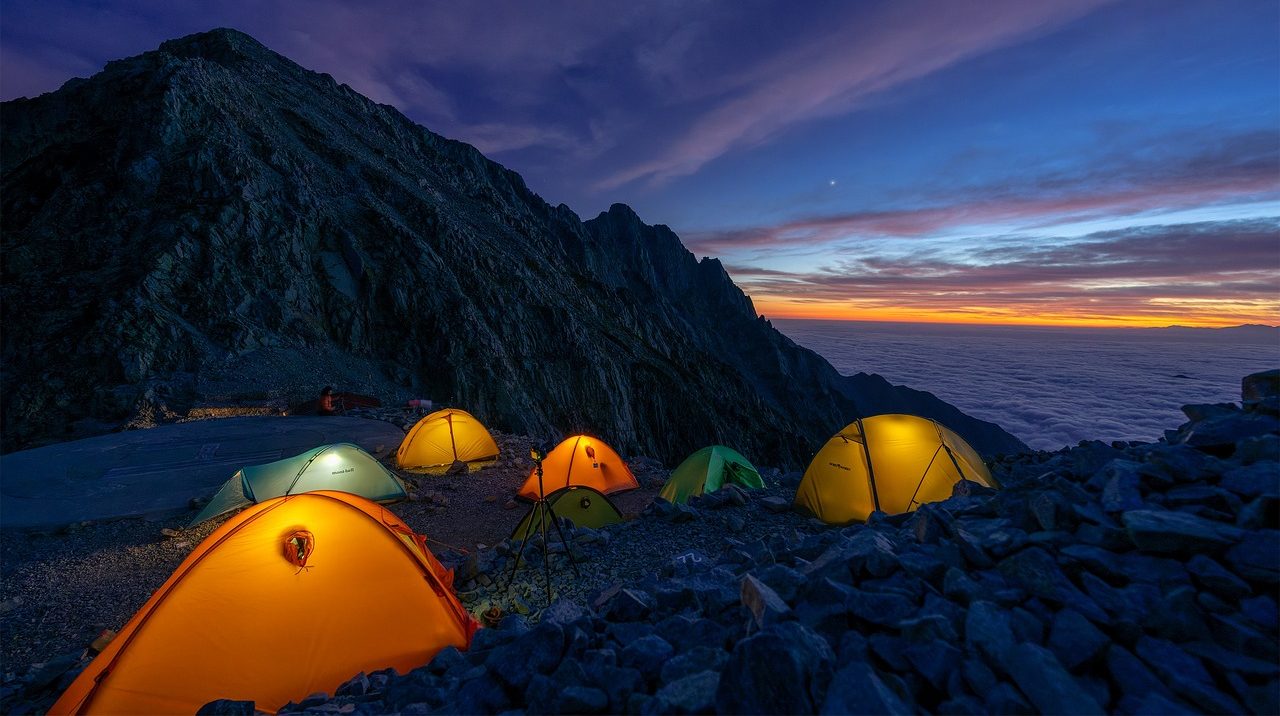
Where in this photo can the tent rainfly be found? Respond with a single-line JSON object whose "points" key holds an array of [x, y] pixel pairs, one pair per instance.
{"points": [[581, 460], [582, 505], [444, 437], [289, 597], [892, 463], [707, 470], [341, 466]]}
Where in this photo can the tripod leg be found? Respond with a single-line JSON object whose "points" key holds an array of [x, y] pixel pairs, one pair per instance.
{"points": [[568, 550], [546, 556], [524, 539]]}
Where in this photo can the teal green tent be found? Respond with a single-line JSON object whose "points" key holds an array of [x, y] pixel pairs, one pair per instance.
{"points": [[341, 466], [707, 470]]}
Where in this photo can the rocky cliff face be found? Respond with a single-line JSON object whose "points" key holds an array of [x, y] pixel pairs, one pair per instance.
{"points": [[211, 214]]}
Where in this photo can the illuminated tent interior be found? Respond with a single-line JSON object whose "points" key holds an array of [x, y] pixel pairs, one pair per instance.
{"points": [[707, 470], [893, 463], [444, 437], [341, 466], [290, 597], [584, 506], [581, 460]]}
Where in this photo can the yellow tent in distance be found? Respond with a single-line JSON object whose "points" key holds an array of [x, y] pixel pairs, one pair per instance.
{"points": [[893, 463], [442, 438]]}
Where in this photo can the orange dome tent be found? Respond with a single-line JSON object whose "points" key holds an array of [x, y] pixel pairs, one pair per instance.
{"points": [[291, 596], [442, 438], [581, 460]]}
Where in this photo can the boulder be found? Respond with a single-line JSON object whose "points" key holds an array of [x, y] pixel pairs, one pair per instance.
{"points": [[1046, 684], [765, 605], [227, 707], [858, 689], [783, 669], [1177, 532], [692, 694], [1074, 639]]}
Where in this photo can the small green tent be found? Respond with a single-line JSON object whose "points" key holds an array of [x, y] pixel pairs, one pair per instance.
{"points": [[340, 466], [707, 470], [585, 506]]}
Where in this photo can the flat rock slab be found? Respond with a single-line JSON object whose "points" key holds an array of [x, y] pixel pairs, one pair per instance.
{"points": [[151, 472]]}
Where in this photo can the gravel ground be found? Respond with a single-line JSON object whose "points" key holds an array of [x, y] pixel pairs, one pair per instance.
{"points": [[60, 590]]}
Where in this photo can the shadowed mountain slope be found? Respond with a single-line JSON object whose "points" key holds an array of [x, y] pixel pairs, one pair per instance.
{"points": [[212, 213]]}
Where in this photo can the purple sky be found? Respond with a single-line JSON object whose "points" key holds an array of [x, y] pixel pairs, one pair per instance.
{"points": [[1085, 161]]}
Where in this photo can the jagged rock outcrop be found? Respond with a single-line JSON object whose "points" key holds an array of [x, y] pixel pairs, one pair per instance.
{"points": [[211, 220]]}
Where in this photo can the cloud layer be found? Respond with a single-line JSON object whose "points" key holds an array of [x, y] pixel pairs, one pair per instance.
{"points": [[1049, 387]]}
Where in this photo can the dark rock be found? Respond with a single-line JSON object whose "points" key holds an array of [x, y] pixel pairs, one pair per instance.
{"points": [[765, 605], [928, 628], [987, 630], [1211, 575], [1035, 571], [1157, 704], [685, 633], [1256, 387], [457, 468], [1154, 531], [692, 694], [935, 661], [1005, 699], [227, 707], [1261, 479], [1185, 675], [1261, 610], [357, 685], [537, 652], [563, 611], [881, 609], [782, 579], [581, 700], [699, 658], [783, 669], [1074, 639], [1226, 660], [775, 504], [629, 605], [1130, 676], [1177, 616], [646, 655], [1049, 687], [859, 689], [1120, 492], [483, 694], [1254, 558], [1221, 432]]}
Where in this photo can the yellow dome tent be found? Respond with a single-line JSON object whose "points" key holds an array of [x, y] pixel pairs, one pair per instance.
{"points": [[292, 596], [893, 463], [581, 460], [442, 438]]}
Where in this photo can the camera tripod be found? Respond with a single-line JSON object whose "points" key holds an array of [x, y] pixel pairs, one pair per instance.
{"points": [[540, 514]]}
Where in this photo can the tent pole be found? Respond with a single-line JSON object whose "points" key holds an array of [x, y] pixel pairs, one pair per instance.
{"points": [[946, 447], [871, 473]]}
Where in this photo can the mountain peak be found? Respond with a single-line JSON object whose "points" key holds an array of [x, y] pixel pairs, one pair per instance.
{"points": [[219, 45], [177, 232]]}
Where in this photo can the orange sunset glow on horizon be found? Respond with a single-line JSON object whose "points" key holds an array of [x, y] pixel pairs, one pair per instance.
{"points": [[1155, 315]]}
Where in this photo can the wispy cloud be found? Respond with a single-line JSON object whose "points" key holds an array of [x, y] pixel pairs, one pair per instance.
{"points": [[1218, 267], [1203, 171], [836, 73]]}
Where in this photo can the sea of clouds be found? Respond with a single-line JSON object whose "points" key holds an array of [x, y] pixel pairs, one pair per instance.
{"points": [[1051, 387]]}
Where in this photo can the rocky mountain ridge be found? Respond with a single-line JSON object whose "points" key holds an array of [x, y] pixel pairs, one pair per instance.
{"points": [[211, 221]]}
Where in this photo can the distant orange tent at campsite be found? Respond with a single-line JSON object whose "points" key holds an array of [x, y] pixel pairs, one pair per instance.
{"points": [[581, 460]]}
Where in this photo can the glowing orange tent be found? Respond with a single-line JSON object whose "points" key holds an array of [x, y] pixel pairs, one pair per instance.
{"points": [[893, 463], [445, 436], [292, 596], [581, 460]]}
